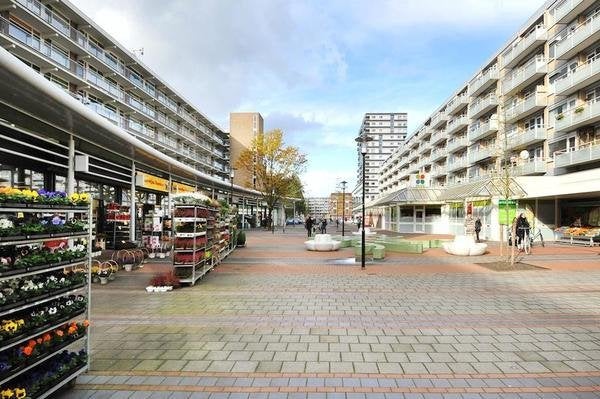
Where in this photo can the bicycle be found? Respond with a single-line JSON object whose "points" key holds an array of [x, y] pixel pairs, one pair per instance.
{"points": [[525, 244], [539, 236]]}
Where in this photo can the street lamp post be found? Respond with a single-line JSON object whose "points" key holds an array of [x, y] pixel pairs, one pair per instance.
{"points": [[344, 182], [272, 219], [363, 140], [232, 175]]}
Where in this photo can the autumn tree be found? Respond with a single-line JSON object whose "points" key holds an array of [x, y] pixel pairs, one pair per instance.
{"points": [[275, 165]]}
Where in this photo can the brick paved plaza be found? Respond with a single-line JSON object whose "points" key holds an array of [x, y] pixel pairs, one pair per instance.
{"points": [[274, 321]]}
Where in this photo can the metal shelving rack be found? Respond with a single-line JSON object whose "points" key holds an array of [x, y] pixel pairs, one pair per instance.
{"points": [[31, 208], [196, 268]]}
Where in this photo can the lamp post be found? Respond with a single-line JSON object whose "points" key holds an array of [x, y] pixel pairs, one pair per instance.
{"points": [[272, 219], [344, 182], [232, 175], [363, 140]]}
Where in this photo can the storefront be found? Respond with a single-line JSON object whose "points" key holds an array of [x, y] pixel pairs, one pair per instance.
{"points": [[412, 210]]}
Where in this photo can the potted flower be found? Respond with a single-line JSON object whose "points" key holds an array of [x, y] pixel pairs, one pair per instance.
{"points": [[103, 274], [579, 109], [241, 239], [560, 116], [79, 199], [126, 259]]}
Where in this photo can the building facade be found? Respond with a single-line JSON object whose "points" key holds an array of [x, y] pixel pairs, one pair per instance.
{"points": [[387, 131], [532, 110], [81, 113], [340, 205], [318, 207], [243, 128]]}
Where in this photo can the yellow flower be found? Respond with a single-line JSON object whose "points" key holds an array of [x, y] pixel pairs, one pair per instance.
{"points": [[74, 197], [5, 190], [85, 197], [14, 191]]}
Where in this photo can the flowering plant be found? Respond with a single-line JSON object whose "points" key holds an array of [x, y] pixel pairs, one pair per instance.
{"points": [[79, 198], [53, 197]]}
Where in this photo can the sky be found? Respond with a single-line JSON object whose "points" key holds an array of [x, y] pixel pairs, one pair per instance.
{"points": [[313, 68]]}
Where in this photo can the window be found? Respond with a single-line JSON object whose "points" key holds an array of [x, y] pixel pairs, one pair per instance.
{"points": [[536, 122]]}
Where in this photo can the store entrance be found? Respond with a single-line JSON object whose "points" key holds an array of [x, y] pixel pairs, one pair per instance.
{"points": [[419, 220]]}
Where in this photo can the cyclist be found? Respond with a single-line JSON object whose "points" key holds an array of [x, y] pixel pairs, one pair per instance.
{"points": [[522, 228]]}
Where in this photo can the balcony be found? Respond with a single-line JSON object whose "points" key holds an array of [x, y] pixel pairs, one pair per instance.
{"points": [[438, 119], [534, 166], [567, 10], [483, 105], [438, 171], [438, 154], [533, 70], [585, 75], [586, 114], [456, 124], [438, 137], [482, 153], [518, 140], [580, 38], [456, 164], [456, 144], [519, 50], [529, 105], [484, 129], [483, 81], [589, 152], [457, 104]]}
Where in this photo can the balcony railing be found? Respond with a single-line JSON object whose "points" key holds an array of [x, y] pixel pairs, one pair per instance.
{"points": [[527, 74], [456, 143], [481, 82], [578, 38], [565, 10], [457, 164], [483, 105], [589, 152], [438, 119], [456, 124], [525, 138], [438, 154], [530, 104], [457, 103], [582, 76], [438, 136], [516, 52], [582, 115], [533, 166], [482, 153], [483, 129]]}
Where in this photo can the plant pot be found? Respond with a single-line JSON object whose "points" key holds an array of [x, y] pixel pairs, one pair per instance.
{"points": [[112, 276], [128, 267], [149, 288], [95, 278], [151, 255], [103, 280], [161, 255]]}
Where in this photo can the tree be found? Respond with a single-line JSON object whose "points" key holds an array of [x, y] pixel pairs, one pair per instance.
{"points": [[275, 166]]}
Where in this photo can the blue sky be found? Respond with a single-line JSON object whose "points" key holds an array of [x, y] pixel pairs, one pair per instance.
{"points": [[313, 68]]}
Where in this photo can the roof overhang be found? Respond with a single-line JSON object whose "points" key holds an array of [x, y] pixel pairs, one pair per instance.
{"points": [[28, 99], [410, 195], [495, 186]]}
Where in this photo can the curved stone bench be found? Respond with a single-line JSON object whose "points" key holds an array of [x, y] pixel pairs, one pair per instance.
{"points": [[323, 243], [464, 246], [377, 251]]}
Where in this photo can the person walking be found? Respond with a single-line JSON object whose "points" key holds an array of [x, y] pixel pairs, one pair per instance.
{"points": [[477, 228], [358, 222], [309, 225], [324, 226], [522, 228]]}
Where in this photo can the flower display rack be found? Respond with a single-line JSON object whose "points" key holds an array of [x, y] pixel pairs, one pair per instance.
{"points": [[190, 224], [44, 294]]}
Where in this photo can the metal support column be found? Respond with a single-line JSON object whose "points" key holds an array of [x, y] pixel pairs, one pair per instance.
{"points": [[132, 207], [71, 166]]}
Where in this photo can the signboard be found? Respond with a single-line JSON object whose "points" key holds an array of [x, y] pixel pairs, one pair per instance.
{"points": [[507, 211], [181, 188], [151, 182], [420, 180]]}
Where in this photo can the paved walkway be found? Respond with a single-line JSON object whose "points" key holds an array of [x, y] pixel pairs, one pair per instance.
{"points": [[275, 322]]}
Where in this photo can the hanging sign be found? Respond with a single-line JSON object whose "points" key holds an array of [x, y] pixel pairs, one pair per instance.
{"points": [[151, 182], [507, 211], [181, 188]]}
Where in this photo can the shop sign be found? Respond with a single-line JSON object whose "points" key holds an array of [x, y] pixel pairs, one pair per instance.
{"points": [[482, 203], [507, 211], [181, 188], [151, 182]]}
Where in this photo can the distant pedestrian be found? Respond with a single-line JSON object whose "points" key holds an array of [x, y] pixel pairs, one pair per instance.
{"points": [[477, 228], [358, 223], [309, 225], [337, 224], [324, 226]]}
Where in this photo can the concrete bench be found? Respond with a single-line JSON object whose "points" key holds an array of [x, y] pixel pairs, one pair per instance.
{"points": [[374, 251], [402, 246], [322, 242]]}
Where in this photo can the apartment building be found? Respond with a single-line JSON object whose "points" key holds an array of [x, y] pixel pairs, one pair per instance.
{"points": [[81, 112], [243, 128], [318, 207], [387, 131], [340, 205], [531, 109]]}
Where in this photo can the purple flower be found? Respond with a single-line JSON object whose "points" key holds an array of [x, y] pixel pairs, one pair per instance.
{"points": [[57, 221], [42, 192], [44, 222], [61, 194]]}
